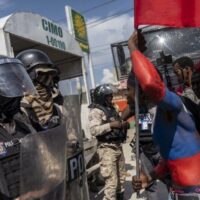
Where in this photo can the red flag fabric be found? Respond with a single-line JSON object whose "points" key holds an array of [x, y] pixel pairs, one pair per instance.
{"points": [[175, 13]]}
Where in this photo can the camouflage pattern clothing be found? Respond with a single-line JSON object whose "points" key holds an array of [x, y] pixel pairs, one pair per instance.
{"points": [[112, 162], [189, 93], [42, 104]]}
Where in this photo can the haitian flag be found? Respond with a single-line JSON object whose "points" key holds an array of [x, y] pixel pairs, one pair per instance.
{"points": [[175, 13]]}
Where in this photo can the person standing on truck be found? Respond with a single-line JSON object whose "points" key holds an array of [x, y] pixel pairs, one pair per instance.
{"points": [[183, 67], [109, 129], [14, 84]]}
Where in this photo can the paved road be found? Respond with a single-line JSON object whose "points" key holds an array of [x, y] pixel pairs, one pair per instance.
{"points": [[130, 167]]}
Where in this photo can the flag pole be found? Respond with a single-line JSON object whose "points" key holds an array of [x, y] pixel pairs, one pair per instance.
{"points": [[137, 138], [137, 131]]}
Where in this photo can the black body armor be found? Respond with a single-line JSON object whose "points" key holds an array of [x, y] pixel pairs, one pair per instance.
{"points": [[10, 161], [115, 135], [54, 121]]}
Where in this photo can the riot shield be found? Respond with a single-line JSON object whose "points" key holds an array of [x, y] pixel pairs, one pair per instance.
{"points": [[165, 45], [43, 165], [76, 186]]}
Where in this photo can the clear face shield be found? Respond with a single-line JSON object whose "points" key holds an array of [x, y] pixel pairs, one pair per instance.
{"points": [[14, 80]]}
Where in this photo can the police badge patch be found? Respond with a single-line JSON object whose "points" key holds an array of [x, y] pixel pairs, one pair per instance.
{"points": [[2, 149]]}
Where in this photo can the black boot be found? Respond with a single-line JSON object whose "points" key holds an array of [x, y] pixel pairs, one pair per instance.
{"points": [[120, 196]]}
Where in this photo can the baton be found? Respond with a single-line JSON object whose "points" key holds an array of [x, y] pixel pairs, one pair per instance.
{"points": [[102, 190], [137, 131]]}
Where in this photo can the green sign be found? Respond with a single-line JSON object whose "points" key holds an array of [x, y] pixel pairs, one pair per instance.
{"points": [[54, 30], [80, 30]]}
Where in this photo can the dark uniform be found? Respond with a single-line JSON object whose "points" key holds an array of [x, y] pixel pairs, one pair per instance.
{"points": [[40, 109], [14, 83], [46, 110]]}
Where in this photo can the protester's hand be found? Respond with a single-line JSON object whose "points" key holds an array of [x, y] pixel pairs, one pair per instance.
{"points": [[133, 42], [140, 183], [116, 124], [137, 41]]}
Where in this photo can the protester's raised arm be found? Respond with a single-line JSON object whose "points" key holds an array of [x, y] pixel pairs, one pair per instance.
{"points": [[144, 70]]}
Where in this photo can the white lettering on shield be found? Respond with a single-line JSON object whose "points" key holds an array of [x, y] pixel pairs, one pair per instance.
{"points": [[76, 166]]}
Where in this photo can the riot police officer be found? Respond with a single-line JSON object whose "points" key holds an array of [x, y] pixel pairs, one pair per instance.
{"points": [[46, 109], [106, 125], [41, 109], [14, 84]]}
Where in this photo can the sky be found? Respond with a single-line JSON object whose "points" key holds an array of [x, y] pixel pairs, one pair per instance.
{"points": [[101, 34]]}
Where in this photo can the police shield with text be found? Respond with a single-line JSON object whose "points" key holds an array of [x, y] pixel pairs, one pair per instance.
{"points": [[47, 112], [76, 187], [14, 84], [44, 155]]}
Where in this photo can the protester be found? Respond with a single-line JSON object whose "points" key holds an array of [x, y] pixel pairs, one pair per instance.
{"points": [[174, 132], [109, 129], [183, 68], [149, 155]]}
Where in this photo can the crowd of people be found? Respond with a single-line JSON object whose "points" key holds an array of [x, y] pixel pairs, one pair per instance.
{"points": [[168, 130]]}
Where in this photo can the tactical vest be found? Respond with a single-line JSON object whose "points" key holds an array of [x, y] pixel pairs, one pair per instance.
{"points": [[115, 135], [54, 121], [10, 161]]}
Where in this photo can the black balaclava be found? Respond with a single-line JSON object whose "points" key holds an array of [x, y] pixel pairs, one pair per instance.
{"points": [[9, 107]]}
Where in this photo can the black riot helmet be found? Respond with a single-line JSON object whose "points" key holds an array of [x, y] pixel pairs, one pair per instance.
{"points": [[101, 93], [36, 61], [92, 95], [14, 84]]}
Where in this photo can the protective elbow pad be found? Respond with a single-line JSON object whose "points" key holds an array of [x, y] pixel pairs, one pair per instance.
{"points": [[148, 77]]}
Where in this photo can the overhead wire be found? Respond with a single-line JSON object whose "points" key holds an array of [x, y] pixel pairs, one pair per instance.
{"points": [[103, 20], [98, 6], [101, 45], [90, 9], [100, 50], [100, 64]]}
